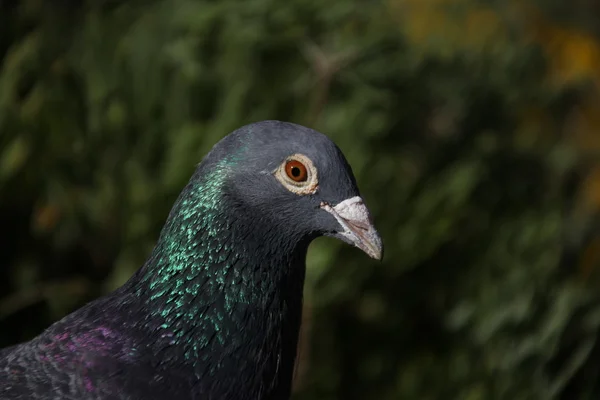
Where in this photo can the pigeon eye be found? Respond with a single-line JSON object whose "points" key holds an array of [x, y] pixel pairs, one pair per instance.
{"points": [[296, 170], [298, 175]]}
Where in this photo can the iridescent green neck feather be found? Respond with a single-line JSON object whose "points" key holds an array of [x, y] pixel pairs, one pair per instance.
{"points": [[208, 297]]}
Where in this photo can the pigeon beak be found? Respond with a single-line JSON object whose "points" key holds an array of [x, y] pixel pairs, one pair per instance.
{"points": [[354, 217]]}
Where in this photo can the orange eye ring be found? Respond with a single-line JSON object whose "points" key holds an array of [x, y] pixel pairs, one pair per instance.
{"points": [[296, 171]]}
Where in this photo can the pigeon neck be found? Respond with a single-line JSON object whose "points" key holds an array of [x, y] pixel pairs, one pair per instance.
{"points": [[225, 295]]}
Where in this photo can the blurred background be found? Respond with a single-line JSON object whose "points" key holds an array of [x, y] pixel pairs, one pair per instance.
{"points": [[471, 125]]}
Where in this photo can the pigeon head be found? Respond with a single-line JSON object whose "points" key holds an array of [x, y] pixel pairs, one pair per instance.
{"points": [[223, 286], [295, 178]]}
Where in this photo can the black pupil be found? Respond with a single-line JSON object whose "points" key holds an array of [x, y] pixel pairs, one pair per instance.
{"points": [[296, 172]]}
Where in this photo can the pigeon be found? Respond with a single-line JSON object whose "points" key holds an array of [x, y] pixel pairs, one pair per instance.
{"points": [[215, 311]]}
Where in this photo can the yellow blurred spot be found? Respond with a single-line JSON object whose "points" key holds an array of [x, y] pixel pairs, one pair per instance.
{"points": [[591, 189], [573, 55], [447, 26], [46, 218]]}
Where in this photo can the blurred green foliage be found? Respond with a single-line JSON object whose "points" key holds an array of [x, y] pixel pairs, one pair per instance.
{"points": [[471, 125]]}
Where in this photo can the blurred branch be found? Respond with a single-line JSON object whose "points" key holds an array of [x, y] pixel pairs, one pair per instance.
{"points": [[572, 366], [325, 67]]}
